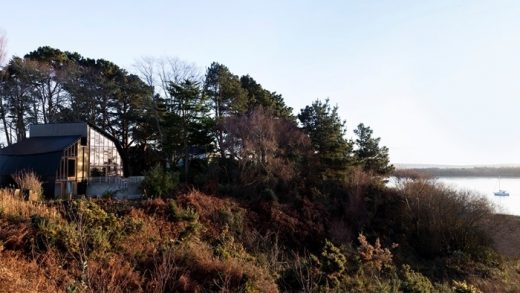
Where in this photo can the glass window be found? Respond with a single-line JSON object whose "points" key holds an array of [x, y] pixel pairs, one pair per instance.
{"points": [[71, 168], [104, 157]]}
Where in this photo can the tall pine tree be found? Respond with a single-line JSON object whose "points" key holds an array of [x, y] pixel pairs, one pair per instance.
{"points": [[327, 133], [368, 154]]}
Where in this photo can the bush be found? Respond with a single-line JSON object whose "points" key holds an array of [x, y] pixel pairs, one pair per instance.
{"points": [[463, 287], [316, 273], [233, 219], [159, 183], [51, 234], [375, 255], [180, 214], [29, 182], [333, 262], [443, 220], [414, 282]]}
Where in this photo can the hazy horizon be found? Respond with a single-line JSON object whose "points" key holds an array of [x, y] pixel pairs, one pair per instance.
{"points": [[435, 80]]}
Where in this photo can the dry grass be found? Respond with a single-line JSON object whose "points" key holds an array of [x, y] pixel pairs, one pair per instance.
{"points": [[114, 274], [225, 275], [20, 275], [507, 281], [28, 180], [12, 206]]}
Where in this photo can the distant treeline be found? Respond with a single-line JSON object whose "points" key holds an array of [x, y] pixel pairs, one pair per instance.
{"points": [[461, 172]]}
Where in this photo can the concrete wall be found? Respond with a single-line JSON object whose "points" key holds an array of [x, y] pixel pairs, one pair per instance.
{"points": [[124, 188]]}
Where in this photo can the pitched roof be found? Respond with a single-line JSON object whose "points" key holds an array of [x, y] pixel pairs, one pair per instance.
{"points": [[39, 145]]}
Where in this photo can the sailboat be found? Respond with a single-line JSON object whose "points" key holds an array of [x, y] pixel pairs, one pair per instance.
{"points": [[501, 192]]}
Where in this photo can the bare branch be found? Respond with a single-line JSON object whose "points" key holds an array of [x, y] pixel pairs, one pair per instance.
{"points": [[3, 48]]}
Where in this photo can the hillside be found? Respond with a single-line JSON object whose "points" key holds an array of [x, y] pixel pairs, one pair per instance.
{"points": [[194, 242]]}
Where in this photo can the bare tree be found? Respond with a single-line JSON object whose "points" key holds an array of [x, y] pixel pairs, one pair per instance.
{"points": [[264, 146], [146, 69], [3, 48], [159, 73]]}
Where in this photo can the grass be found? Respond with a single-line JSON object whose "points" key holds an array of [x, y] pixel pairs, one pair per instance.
{"points": [[13, 207]]}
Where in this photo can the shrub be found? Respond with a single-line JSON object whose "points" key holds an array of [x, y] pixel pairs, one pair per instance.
{"points": [[333, 262], [316, 273], [29, 182], [443, 220], [414, 282], [14, 208], [463, 287], [90, 230], [50, 233], [375, 255], [159, 183], [227, 247], [302, 275], [234, 220], [179, 214], [114, 274]]}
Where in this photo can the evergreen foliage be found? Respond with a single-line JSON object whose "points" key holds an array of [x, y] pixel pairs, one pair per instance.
{"points": [[327, 133], [368, 153]]}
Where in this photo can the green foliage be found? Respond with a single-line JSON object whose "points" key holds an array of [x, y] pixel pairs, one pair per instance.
{"points": [[325, 272], [463, 287], [188, 216], [180, 214], [227, 247], [258, 96], [159, 183], [89, 230], [369, 154], [224, 90], [233, 220], [187, 126], [49, 233], [333, 263], [226, 96], [414, 282], [327, 133]]}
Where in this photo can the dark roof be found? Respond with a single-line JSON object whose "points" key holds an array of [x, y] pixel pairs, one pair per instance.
{"points": [[39, 145], [42, 164]]}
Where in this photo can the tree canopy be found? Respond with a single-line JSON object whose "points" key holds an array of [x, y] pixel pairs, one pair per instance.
{"points": [[174, 114]]}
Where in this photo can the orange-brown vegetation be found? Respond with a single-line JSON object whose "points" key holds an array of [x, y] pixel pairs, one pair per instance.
{"points": [[195, 242]]}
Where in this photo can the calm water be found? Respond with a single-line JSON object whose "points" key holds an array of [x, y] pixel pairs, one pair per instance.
{"points": [[486, 186]]}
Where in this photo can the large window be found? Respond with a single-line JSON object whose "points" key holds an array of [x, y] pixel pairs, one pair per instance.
{"points": [[71, 163], [104, 157]]}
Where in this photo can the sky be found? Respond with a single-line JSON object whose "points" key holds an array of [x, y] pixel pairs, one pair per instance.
{"points": [[438, 81]]}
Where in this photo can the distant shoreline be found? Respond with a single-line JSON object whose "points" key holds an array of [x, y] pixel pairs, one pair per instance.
{"points": [[504, 172]]}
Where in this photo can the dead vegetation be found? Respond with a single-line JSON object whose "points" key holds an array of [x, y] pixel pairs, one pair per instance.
{"points": [[200, 243]]}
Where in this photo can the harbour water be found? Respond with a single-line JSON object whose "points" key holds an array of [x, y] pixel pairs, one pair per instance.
{"points": [[486, 186]]}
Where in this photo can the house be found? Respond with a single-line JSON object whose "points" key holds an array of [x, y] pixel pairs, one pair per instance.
{"points": [[69, 158]]}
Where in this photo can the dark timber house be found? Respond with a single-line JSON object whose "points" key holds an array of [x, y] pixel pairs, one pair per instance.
{"points": [[66, 157]]}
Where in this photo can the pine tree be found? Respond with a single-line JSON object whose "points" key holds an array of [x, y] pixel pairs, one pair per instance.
{"points": [[327, 133], [187, 125], [226, 97], [369, 154]]}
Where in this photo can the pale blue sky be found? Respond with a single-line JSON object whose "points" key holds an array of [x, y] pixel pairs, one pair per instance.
{"points": [[437, 80]]}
